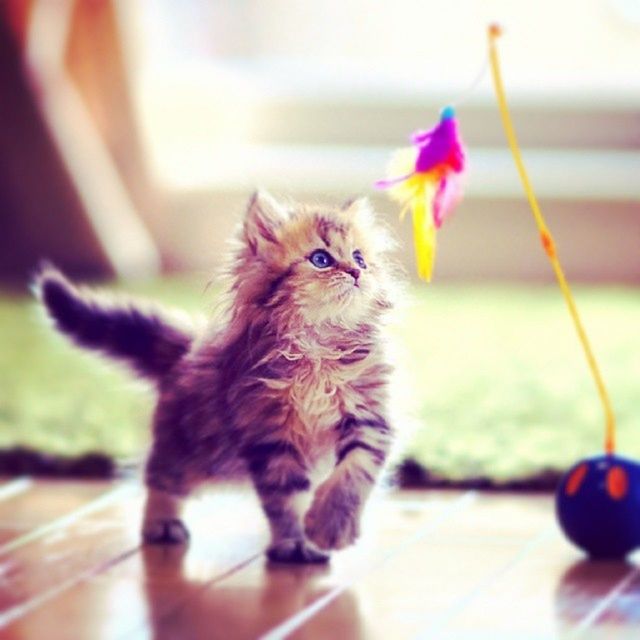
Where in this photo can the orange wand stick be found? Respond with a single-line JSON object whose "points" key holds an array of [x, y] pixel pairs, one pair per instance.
{"points": [[548, 243]]}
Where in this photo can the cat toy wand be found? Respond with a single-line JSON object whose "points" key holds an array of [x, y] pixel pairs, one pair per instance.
{"points": [[598, 499], [547, 240]]}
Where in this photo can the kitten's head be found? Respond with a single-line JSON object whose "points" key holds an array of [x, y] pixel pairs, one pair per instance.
{"points": [[321, 264]]}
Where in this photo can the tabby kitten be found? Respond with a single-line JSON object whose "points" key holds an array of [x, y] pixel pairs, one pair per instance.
{"points": [[290, 387]]}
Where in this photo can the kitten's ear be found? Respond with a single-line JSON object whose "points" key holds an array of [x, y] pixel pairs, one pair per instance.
{"points": [[359, 210], [262, 222], [356, 204]]}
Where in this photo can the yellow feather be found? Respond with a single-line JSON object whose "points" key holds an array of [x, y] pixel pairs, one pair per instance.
{"points": [[424, 232], [417, 193]]}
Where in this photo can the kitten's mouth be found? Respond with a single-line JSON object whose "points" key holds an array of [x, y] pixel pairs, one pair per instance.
{"points": [[347, 291]]}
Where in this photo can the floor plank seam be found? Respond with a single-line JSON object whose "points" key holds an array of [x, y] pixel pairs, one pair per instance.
{"points": [[15, 487], [15, 613], [60, 523], [303, 616]]}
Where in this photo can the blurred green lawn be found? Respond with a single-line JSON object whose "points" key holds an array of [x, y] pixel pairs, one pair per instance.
{"points": [[498, 382]]}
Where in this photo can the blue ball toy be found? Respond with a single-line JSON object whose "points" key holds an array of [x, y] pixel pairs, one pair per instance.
{"points": [[598, 506]]}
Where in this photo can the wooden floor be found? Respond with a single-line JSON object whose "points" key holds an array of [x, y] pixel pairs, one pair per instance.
{"points": [[430, 565]]}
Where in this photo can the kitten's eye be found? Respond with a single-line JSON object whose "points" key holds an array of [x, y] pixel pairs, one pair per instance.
{"points": [[321, 259], [357, 256]]}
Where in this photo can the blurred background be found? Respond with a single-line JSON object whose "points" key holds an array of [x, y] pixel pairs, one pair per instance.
{"points": [[132, 133]]}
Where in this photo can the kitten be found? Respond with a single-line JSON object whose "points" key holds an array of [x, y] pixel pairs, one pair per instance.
{"points": [[291, 387]]}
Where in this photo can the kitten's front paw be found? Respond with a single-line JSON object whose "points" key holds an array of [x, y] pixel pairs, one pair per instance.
{"points": [[165, 531], [296, 552], [333, 521]]}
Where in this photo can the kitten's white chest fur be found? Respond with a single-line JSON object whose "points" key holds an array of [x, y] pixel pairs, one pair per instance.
{"points": [[318, 390], [314, 395]]}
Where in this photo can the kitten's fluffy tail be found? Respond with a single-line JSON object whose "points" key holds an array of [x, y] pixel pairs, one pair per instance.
{"points": [[144, 339]]}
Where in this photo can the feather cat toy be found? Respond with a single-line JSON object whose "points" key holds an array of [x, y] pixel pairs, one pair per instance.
{"points": [[427, 180], [598, 499]]}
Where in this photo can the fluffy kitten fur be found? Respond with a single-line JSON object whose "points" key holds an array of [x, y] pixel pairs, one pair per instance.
{"points": [[289, 387]]}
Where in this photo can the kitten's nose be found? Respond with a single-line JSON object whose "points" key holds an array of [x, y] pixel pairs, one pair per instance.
{"points": [[354, 273]]}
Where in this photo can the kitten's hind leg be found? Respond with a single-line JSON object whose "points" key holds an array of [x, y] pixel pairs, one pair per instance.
{"points": [[167, 490], [162, 523], [280, 478]]}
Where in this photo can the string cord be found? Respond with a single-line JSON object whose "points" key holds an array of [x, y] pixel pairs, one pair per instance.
{"points": [[548, 242], [465, 95]]}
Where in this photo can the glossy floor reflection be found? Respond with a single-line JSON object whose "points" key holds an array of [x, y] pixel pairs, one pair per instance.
{"points": [[243, 606], [585, 594], [430, 565]]}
